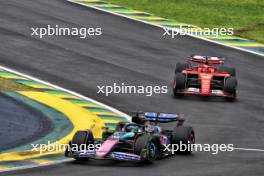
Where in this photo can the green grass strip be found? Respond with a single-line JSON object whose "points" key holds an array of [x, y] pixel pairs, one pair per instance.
{"points": [[245, 16]]}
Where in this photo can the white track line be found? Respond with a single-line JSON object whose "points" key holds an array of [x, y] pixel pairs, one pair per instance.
{"points": [[248, 149], [31, 166], [208, 40]]}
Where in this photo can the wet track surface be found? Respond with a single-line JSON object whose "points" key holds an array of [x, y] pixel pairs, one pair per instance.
{"points": [[136, 53]]}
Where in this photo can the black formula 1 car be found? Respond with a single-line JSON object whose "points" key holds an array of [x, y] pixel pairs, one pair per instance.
{"points": [[141, 140], [205, 75]]}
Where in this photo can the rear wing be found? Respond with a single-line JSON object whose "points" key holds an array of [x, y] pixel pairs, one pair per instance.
{"points": [[207, 59], [158, 117]]}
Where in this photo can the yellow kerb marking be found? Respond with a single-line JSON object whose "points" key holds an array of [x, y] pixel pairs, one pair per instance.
{"points": [[13, 77], [105, 5], [128, 11], [66, 96], [105, 113], [40, 161], [245, 44], [40, 86], [89, 105], [3, 167], [150, 18]]}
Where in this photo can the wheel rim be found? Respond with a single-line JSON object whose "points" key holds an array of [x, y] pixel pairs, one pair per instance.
{"points": [[152, 150]]}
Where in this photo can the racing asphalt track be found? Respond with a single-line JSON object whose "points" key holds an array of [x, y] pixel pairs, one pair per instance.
{"points": [[133, 52]]}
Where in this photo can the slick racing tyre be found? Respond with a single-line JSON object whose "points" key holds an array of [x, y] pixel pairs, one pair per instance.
{"points": [[231, 71], [180, 66], [81, 140], [147, 147], [230, 86], [179, 83], [183, 135]]}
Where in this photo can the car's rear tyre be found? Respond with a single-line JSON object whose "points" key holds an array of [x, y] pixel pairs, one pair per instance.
{"points": [[230, 70], [147, 147], [230, 87], [180, 66], [179, 83], [81, 140], [183, 135]]}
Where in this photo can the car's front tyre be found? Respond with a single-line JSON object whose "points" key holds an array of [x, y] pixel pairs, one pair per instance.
{"points": [[230, 87], [80, 140], [179, 84], [146, 146]]}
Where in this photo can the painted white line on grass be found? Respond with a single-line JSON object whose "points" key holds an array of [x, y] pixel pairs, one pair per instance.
{"points": [[160, 26]]}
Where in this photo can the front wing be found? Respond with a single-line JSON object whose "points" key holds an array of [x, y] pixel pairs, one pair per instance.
{"points": [[113, 155], [197, 91]]}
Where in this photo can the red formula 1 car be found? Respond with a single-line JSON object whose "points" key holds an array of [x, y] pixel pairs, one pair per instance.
{"points": [[204, 75]]}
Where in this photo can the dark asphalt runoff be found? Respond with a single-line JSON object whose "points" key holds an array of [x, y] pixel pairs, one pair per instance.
{"points": [[135, 53], [20, 124]]}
